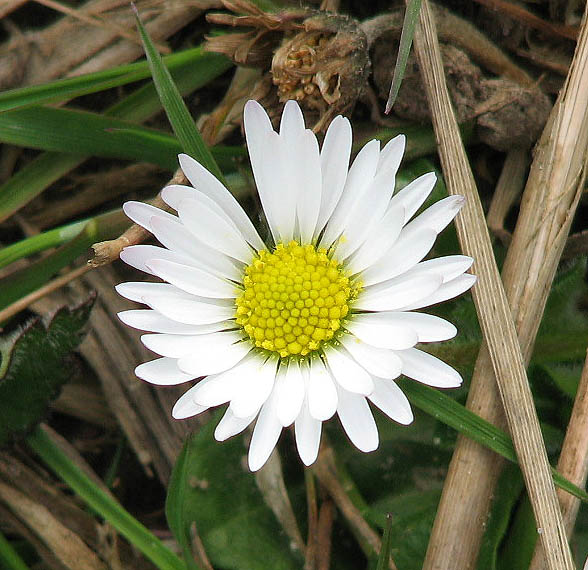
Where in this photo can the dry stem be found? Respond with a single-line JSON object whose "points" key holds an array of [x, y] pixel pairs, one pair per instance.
{"points": [[493, 311], [573, 461], [548, 206]]}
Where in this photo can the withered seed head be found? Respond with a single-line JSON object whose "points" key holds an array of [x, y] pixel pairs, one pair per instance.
{"points": [[317, 58]]}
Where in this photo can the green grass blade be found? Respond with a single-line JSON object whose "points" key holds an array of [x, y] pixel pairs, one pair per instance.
{"points": [[384, 557], [70, 88], [101, 503], [177, 112], [9, 558], [453, 414], [47, 168], [60, 130], [411, 17]]}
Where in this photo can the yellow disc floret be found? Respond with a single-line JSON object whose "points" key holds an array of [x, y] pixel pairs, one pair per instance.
{"points": [[294, 299]]}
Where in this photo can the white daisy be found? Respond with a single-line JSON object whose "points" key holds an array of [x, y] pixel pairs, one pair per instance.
{"points": [[316, 320]]}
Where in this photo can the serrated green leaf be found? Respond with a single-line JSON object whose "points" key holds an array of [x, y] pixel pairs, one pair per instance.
{"points": [[33, 368], [212, 489], [175, 108], [384, 557]]}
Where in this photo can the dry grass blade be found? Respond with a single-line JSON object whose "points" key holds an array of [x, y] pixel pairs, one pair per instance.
{"points": [[67, 546], [492, 307], [573, 461], [547, 209]]}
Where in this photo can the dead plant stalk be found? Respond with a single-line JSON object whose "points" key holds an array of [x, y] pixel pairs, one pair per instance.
{"points": [[550, 199]]}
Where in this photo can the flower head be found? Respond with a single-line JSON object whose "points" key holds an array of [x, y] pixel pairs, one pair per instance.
{"points": [[316, 320]]}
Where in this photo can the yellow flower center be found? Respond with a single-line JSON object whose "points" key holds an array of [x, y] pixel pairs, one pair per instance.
{"points": [[294, 299]]}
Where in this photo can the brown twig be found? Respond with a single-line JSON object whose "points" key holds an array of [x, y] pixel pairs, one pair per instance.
{"points": [[547, 209], [50, 287], [98, 22], [106, 252], [326, 472], [509, 187], [325, 528], [492, 307], [198, 550], [529, 19], [311, 506], [573, 461]]}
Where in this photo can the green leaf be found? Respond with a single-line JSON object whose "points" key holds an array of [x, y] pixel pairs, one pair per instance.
{"points": [[70, 88], [177, 112], [384, 557], [212, 489], [34, 367], [412, 514], [473, 426], [510, 486], [519, 545], [411, 16]]}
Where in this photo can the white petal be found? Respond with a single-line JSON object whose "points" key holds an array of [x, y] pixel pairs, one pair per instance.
{"points": [[437, 216], [292, 121], [335, 155], [177, 238], [263, 145], [142, 213], [408, 250], [428, 369], [360, 175], [348, 373], [186, 407], [137, 290], [391, 155], [152, 321], [449, 267], [289, 392], [257, 381], [216, 231], [308, 435], [265, 435], [322, 394], [206, 183], [381, 334], [367, 214], [163, 371], [193, 280], [310, 182], [377, 361], [192, 311], [357, 420], [177, 346], [414, 194], [382, 237], [214, 356], [392, 401], [430, 328], [138, 256], [218, 389], [399, 292], [447, 291], [231, 425]]}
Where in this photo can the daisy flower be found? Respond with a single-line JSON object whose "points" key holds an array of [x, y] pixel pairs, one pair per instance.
{"points": [[317, 319]]}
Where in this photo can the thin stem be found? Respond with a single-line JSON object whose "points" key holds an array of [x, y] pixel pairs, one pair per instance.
{"points": [[138, 535]]}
